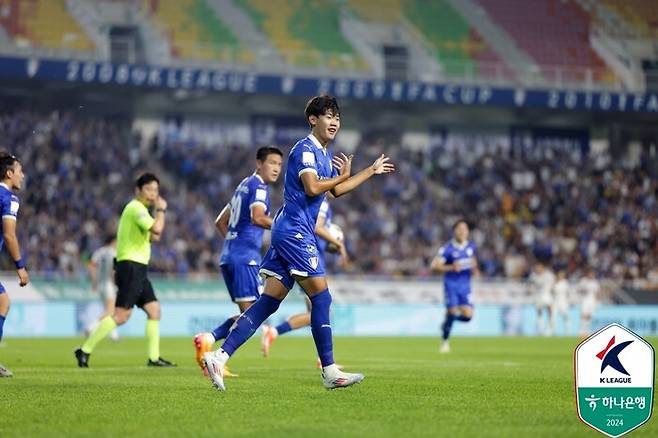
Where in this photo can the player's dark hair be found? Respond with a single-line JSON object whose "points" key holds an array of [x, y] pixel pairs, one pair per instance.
{"points": [[321, 105], [459, 221], [7, 162], [262, 153], [109, 239], [146, 178]]}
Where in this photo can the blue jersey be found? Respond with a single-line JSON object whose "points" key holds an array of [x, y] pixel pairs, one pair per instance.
{"points": [[463, 256], [294, 249], [325, 212], [243, 241], [9, 205], [300, 211]]}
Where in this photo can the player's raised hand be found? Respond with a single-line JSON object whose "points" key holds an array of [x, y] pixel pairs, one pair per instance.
{"points": [[23, 277], [343, 164], [382, 165]]}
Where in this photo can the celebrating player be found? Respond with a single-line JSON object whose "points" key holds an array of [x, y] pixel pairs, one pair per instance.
{"points": [[101, 273], [12, 179], [300, 320], [457, 261], [137, 228], [542, 280], [293, 255], [242, 223]]}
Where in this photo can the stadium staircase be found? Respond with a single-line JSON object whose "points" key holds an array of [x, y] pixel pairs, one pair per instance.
{"points": [[641, 15], [241, 25], [88, 15], [368, 27], [515, 63]]}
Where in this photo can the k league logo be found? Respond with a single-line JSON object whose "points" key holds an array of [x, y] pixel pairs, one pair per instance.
{"points": [[614, 371]]}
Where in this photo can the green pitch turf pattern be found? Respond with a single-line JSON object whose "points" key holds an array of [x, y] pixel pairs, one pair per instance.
{"points": [[507, 387]]}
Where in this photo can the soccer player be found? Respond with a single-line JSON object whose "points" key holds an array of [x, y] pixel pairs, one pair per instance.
{"points": [[561, 294], [137, 228], [542, 280], [293, 254], [301, 320], [12, 180], [457, 260], [242, 223], [590, 288], [101, 274]]}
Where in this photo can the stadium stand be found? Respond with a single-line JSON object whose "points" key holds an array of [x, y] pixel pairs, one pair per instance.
{"points": [[459, 48], [43, 24], [305, 33], [585, 211], [529, 23], [195, 32], [641, 15]]}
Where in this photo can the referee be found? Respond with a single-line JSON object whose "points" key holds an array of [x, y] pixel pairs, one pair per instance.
{"points": [[136, 230]]}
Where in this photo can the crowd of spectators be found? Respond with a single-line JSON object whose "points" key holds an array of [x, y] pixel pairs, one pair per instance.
{"points": [[571, 208]]}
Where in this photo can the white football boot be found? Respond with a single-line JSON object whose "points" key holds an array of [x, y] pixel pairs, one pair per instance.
{"points": [[215, 362], [445, 347], [4, 372], [333, 378]]}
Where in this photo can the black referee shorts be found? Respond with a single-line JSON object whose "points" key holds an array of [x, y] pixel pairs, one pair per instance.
{"points": [[134, 288]]}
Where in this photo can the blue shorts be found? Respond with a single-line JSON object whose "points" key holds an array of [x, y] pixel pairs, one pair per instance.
{"points": [[457, 296], [2, 289], [290, 256], [242, 282]]}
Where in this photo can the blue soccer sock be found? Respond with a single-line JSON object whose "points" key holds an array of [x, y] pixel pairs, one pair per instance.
{"points": [[283, 328], [321, 327], [249, 321], [2, 324], [447, 325], [221, 331], [463, 318]]}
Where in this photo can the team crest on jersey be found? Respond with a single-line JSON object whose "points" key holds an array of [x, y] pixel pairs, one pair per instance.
{"points": [[469, 252], [314, 262]]}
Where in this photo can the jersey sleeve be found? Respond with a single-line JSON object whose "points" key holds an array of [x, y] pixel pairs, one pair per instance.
{"points": [[324, 209], [304, 160], [259, 195], [10, 208], [443, 254], [142, 218]]}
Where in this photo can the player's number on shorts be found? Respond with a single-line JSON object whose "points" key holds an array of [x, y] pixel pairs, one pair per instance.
{"points": [[235, 205]]}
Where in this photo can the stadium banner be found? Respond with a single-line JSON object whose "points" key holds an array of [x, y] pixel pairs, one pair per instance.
{"points": [[107, 73], [69, 318]]}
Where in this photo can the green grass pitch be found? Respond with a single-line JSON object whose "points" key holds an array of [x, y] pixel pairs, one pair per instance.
{"points": [[507, 387]]}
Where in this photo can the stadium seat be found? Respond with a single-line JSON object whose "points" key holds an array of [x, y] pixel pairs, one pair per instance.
{"points": [[195, 32], [306, 33], [43, 24], [459, 48], [640, 14], [529, 23]]}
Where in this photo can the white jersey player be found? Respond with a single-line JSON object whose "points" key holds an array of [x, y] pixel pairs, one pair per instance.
{"points": [[101, 273], [590, 288], [541, 284], [561, 296]]}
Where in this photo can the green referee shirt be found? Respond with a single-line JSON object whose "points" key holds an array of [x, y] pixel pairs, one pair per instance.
{"points": [[133, 235]]}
